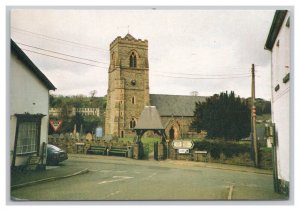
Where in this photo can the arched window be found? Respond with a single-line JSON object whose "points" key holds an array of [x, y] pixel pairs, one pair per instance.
{"points": [[132, 123], [132, 60], [133, 100]]}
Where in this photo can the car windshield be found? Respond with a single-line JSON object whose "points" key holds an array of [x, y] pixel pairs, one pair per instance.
{"points": [[54, 147]]}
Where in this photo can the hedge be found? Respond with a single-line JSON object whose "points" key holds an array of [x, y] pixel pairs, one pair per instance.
{"points": [[229, 149]]}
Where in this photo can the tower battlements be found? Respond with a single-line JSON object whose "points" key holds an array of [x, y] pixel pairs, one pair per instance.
{"points": [[129, 39]]}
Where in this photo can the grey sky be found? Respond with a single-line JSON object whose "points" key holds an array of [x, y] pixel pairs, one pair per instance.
{"points": [[208, 51]]}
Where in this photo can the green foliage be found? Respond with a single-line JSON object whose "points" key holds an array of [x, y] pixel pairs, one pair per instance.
{"points": [[223, 116], [67, 103], [229, 149], [77, 101], [262, 106], [88, 123]]}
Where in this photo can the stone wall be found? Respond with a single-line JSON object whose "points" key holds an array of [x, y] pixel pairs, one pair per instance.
{"points": [[243, 159], [80, 146]]}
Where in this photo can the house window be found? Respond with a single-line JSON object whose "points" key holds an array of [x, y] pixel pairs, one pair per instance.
{"points": [[288, 22], [28, 134], [27, 138], [132, 60]]}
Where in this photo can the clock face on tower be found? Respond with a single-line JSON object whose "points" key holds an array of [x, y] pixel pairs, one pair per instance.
{"points": [[133, 82]]}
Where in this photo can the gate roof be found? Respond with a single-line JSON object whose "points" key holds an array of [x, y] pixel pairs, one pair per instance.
{"points": [[149, 119]]}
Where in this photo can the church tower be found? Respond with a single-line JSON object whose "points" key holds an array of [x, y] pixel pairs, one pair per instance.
{"points": [[128, 85]]}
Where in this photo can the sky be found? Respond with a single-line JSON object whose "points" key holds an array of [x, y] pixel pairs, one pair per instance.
{"points": [[207, 51]]}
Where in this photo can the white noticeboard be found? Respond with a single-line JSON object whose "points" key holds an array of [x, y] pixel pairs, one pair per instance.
{"points": [[183, 144], [183, 151]]}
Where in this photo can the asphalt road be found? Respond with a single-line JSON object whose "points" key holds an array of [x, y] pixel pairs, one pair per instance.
{"points": [[127, 179]]}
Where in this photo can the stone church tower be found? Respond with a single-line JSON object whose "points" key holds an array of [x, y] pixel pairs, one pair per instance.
{"points": [[128, 85]]}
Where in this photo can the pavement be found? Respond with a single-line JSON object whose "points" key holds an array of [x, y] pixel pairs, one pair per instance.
{"points": [[27, 178]]}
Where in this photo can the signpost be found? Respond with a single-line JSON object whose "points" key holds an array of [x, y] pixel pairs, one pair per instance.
{"points": [[55, 124], [183, 144]]}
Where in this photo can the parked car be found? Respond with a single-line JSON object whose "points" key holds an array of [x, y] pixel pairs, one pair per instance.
{"points": [[55, 155]]}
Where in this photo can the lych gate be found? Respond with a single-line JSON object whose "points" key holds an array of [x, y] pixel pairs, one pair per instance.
{"points": [[150, 120]]}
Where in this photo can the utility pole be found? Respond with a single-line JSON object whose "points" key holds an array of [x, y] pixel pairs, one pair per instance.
{"points": [[253, 117]]}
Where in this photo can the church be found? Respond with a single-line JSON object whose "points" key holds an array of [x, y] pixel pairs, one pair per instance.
{"points": [[128, 93]]}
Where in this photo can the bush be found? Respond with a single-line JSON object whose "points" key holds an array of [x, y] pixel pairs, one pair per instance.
{"points": [[229, 149]]}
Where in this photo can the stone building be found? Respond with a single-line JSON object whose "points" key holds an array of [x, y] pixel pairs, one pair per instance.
{"points": [[128, 93]]}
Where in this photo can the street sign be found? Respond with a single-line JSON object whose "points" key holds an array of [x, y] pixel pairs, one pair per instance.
{"points": [[55, 124], [183, 144], [188, 144], [183, 151]]}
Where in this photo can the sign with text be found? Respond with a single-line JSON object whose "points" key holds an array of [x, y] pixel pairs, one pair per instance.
{"points": [[183, 151], [55, 124], [183, 144]]}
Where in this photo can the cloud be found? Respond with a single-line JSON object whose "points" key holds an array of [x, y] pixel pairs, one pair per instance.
{"points": [[199, 42]]}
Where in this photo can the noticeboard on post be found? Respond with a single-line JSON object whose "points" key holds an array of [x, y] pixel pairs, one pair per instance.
{"points": [[183, 144]]}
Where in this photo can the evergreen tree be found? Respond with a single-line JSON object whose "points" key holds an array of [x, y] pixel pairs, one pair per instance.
{"points": [[223, 116]]}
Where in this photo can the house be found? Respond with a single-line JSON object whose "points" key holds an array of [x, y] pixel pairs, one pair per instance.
{"points": [[279, 45], [29, 100]]}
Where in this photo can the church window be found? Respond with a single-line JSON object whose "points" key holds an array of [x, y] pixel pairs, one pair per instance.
{"points": [[132, 60], [133, 100], [132, 123]]}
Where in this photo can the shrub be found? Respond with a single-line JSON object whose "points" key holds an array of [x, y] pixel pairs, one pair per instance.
{"points": [[215, 148]]}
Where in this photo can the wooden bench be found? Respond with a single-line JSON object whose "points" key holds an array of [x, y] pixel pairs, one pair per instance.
{"points": [[203, 154], [117, 151], [97, 150]]}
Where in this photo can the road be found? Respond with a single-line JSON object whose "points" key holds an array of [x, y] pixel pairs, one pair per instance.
{"points": [[126, 179]]}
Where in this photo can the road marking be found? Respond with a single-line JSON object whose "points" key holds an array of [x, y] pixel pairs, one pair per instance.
{"points": [[112, 194], [152, 175], [230, 192], [115, 179]]}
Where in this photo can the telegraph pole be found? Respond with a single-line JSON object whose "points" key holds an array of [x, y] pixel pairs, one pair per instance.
{"points": [[253, 117]]}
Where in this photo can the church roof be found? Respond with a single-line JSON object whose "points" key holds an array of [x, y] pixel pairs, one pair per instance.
{"points": [[149, 119], [129, 36], [175, 105]]}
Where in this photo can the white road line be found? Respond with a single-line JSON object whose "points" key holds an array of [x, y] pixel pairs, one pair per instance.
{"points": [[115, 179], [152, 175], [230, 192], [112, 194]]}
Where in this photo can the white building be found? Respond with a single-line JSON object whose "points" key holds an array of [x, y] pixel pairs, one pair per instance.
{"points": [[57, 112], [29, 100], [278, 43]]}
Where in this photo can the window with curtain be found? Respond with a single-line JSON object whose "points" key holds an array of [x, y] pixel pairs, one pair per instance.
{"points": [[27, 137]]}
